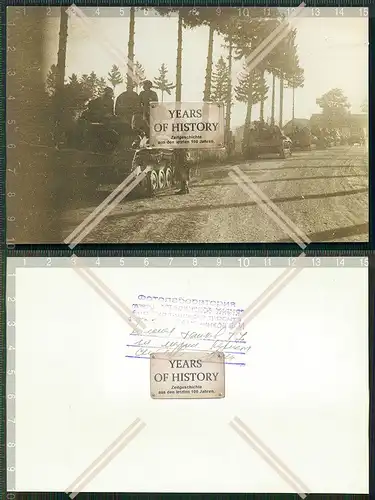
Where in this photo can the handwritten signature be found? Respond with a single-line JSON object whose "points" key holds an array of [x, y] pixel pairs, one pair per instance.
{"points": [[233, 344]]}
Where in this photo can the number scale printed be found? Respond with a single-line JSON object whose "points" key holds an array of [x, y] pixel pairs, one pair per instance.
{"points": [[187, 375]]}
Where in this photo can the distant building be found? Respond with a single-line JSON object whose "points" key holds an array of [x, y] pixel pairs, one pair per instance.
{"points": [[359, 124], [353, 125]]}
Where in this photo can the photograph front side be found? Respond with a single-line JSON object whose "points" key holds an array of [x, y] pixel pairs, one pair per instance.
{"points": [[280, 156]]}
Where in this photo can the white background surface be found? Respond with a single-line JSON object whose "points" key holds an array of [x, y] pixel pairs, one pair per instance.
{"points": [[304, 391]]}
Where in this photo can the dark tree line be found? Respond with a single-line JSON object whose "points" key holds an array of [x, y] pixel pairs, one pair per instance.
{"points": [[240, 37]]}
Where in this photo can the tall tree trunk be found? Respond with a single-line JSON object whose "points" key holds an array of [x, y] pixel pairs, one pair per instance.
{"points": [[162, 96], [207, 82], [249, 106], [262, 100], [248, 113], [281, 101], [228, 110], [273, 99], [130, 62], [179, 60], [293, 91], [261, 113], [60, 74], [61, 54], [35, 174]]}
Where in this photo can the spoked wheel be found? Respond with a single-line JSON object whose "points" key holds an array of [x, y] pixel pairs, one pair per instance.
{"points": [[152, 183], [162, 179], [188, 156], [168, 177]]}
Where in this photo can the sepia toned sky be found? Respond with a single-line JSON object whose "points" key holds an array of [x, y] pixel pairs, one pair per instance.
{"points": [[332, 51]]}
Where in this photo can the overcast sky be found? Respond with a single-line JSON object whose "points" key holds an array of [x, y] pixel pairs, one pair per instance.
{"points": [[332, 51]]}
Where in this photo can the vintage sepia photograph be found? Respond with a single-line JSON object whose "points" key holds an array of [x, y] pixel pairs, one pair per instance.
{"points": [[281, 155]]}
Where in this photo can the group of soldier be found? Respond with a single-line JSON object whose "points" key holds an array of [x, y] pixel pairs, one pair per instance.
{"points": [[129, 115], [263, 128], [130, 108], [260, 130]]}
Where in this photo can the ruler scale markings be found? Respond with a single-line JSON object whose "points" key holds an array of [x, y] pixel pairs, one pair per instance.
{"points": [[242, 262]]}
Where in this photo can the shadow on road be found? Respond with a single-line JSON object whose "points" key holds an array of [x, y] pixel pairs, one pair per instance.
{"points": [[338, 233], [202, 184], [197, 208], [255, 167], [261, 169]]}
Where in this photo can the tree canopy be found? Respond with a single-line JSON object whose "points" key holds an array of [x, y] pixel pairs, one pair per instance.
{"points": [[161, 82], [251, 87], [220, 82], [114, 76], [77, 91], [140, 75], [335, 107]]}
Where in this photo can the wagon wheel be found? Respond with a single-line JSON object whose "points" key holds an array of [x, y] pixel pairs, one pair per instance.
{"points": [[161, 179], [152, 183], [168, 177]]}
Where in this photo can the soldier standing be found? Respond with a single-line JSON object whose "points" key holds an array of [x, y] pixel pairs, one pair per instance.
{"points": [[101, 108], [146, 97], [127, 106], [182, 170]]}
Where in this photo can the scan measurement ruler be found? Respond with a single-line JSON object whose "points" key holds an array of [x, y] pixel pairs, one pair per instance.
{"points": [[239, 11], [11, 156], [10, 304], [214, 250], [3, 388], [187, 262], [196, 4]]}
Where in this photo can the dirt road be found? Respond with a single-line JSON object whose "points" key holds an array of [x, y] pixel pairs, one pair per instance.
{"points": [[324, 192]]}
